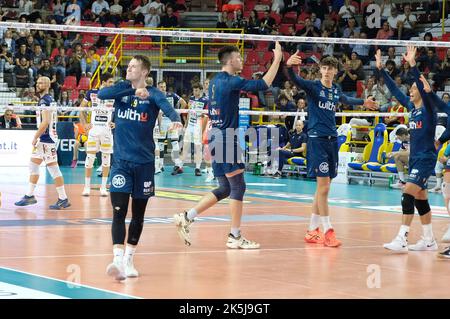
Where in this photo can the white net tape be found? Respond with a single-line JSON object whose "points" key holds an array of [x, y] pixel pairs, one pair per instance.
{"points": [[241, 112], [214, 35]]}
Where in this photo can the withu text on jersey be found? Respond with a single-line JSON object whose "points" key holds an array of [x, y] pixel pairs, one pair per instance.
{"points": [[132, 115]]}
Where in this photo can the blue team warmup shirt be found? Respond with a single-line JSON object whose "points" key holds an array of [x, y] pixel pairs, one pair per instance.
{"points": [[322, 103], [135, 119]]}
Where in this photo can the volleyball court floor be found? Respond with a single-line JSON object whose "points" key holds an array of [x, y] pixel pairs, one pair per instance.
{"points": [[63, 254]]}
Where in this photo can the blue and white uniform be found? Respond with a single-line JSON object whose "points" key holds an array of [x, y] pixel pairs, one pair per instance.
{"points": [[46, 147]]}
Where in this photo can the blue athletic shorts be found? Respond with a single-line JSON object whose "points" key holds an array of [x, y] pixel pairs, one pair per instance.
{"points": [[133, 178], [420, 170], [322, 155]]}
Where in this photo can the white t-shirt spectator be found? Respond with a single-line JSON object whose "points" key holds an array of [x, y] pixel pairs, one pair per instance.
{"points": [[160, 8], [152, 20], [347, 11], [393, 21], [407, 24], [98, 6], [26, 6], [141, 9], [116, 9]]}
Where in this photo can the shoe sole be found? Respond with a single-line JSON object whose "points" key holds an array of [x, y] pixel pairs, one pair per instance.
{"points": [[440, 256], [112, 271], [59, 207], [405, 250], [27, 204], [333, 246], [313, 241], [238, 247]]}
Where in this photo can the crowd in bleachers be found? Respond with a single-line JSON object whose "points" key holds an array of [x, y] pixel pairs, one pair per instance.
{"points": [[70, 59]]}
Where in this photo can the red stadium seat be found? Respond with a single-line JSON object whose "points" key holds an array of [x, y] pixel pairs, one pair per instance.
{"points": [[252, 57], [70, 83], [84, 83], [284, 28], [267, 57], [74, 95], [359, 88]]}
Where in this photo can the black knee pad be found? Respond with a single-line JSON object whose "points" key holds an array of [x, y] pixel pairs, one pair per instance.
{"points": [[119, 203], [238, 187], [408, 204], [137, 220], [422, 205], [223, 191]]}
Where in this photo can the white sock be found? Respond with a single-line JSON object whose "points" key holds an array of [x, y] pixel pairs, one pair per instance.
{"points": [[104, 180], [326, 223], [161, 161], [314, 222], [129, 253], [118, 255], [438, 182], [157, 159], [191, 214], [428, 231], [198, 165], [61, 192], [403, 232], [31, 189], [236, 232], [209, 170], [87, 182], [401, 175], [178, 162]]}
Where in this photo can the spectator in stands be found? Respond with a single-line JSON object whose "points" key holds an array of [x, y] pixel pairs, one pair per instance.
{"points": [[100, 11], [47, 70], [357, 65], [30, 43], [384, 33], [288, 90], [9, 121], [6, 59], [309, 30], [395, 22], [223, 21], [267, 23], [36, 58], [346, 12], [23, 75], [395, 107], [368, 88], [391, 68], [301, 107], [444, 72], [60, 63], [90, 62], [391, 55], [319, 7], [326, 48], [446, 98], [238, 21], [330, 26], [58, 12], [401, 157], [74, 67], [351, 28], [115, 13], [9, 41], [159, 7], [403, 88], [429, 62], [295, 147], [406, 75], [64, 100], [285, 104], [23, 53], [152, 20], [277, 6], [140, 11], [362, 52], [25, 7], [253, 24], [316, 22], [408, 23], [382, 95], [169, 20], [386, 9], [348, 78], [73, 13], [53, 39]]}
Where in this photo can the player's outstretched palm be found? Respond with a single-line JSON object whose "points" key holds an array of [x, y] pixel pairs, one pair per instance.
{"points": [[378, 60], [294, 59], [410, 55], [277, 52], [371, 104], [426, 85]]}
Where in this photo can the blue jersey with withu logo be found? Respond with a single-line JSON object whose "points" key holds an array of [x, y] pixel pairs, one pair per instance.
{"points": [[135, 120], [322, 104]]}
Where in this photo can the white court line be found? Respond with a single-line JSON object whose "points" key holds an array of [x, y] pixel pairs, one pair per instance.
{"points": [[190, 252]]}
